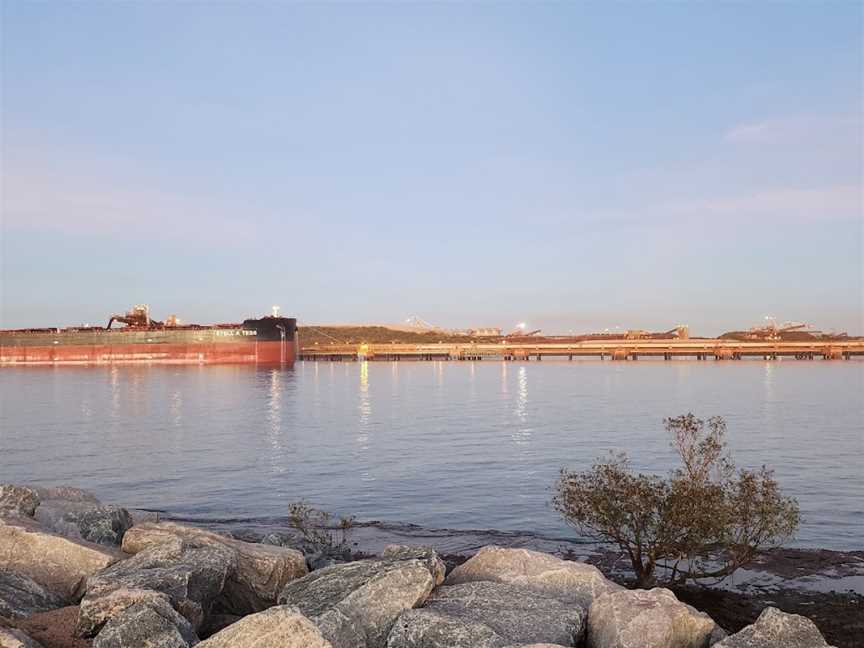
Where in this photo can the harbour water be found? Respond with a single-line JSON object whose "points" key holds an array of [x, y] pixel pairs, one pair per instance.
{"points": [[455, 445]]}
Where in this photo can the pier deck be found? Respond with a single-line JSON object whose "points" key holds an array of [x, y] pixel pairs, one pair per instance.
{"points": [[700, 349]]}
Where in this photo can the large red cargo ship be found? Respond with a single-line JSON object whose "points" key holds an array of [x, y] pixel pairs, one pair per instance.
{"points": [[270, 340]]}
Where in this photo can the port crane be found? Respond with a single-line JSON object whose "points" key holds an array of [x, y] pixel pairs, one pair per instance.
{"points": [[771, 330], [139, 317], [420, 324], [681, 332], [136, 317], [520, 331]]}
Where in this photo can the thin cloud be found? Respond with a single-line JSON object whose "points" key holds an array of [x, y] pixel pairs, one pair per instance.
{"points": [[781, 130], [90, 202], [838, 202]]}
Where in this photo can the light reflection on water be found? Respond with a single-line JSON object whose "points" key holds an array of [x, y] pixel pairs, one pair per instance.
{"points": [[274, 420], [364, 411], [522, 434], [440, 444]]}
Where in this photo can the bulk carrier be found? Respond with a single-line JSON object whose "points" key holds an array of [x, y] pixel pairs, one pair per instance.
{"points": [[270, 340]]}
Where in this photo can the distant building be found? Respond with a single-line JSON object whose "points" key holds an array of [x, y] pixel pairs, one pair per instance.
{"points": [[485, 332]]}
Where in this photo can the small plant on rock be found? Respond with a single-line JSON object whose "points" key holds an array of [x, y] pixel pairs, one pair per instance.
{"points": [[705, 520], [317, 530]]}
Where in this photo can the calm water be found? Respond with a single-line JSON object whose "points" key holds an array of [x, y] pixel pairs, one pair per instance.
{"points": [[458, 445]]}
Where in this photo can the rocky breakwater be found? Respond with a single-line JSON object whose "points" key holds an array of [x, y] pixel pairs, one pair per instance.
{"points": [[32, 553], [257, 577], [152, 583], [166, 585]]}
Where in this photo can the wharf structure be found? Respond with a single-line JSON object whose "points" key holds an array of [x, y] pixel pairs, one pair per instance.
{"points": [[699, 349]]}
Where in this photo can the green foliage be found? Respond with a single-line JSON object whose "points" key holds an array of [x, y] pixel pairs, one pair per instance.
{"points": [[317, 530], [707, 518]]}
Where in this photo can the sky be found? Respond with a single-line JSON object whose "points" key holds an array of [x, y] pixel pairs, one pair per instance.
{"points": [[575, 166]]}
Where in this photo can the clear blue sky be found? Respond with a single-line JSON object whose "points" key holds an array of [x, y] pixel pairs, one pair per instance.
{"points": [[574, 166]]}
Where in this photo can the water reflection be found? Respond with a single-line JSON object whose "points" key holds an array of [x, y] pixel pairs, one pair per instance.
{"points": [[86, 410], [137, 391], [114, 382], [769, 400], [365, 417], [364, 377], [175, 408], [245, 439], [768, 381], [274, 421], [522, 433], [522, 395], [683, 374], [364, 407]]}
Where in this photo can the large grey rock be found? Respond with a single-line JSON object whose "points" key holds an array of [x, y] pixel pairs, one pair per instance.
{"points": [[191, 576], [319, 553], [67, 493], [18, 500], [21, 596], [154, 624], [776, 629], [279, 627], [78, 513], [12, 638], [354, 604], [99, 523], [426, 554], [647, 619], [717, 634], [429, 629], [564, 580], [58, 563], [260, 572], [488, 614]]}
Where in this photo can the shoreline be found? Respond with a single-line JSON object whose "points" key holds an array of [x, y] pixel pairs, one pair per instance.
{"points": [[811, 582], [805, 582], [813, 569]]}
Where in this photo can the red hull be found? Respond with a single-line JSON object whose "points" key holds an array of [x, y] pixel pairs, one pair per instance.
{"points": [[269, 352]]}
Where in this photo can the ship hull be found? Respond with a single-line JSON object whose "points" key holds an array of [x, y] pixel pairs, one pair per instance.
{"points": [[258, 353], [269, 341]]}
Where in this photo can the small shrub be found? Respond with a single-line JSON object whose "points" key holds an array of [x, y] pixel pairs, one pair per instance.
{"points": [[316, 529], [707, 518]]}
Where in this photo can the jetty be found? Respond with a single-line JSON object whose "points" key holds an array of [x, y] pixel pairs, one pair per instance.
{"points": [[699, 349]]}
